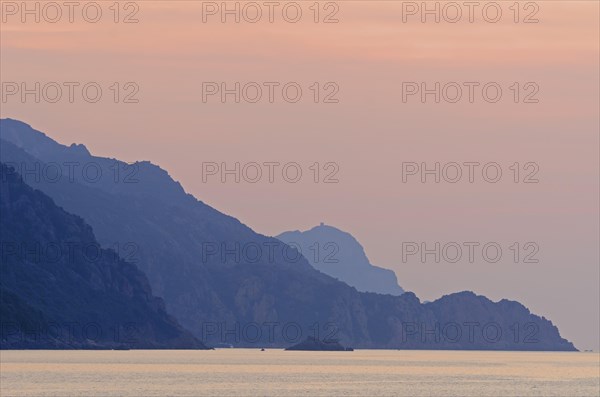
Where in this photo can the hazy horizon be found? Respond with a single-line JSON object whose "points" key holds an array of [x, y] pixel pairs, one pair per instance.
{"points": [[363, 140]]}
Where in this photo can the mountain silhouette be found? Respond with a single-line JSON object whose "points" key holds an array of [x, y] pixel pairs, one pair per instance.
{"points": [[338, 254], [228, 284], [60, 289]]}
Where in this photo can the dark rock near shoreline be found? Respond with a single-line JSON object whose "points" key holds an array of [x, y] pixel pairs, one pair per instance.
{"points": [[314, 344]]}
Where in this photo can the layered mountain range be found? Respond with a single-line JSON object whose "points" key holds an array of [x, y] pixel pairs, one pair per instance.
{"points": [[226, 283], [338, 254], [60, 289]]}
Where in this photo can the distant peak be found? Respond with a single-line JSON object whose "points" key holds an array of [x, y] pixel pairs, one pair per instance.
{"points": [[79, 149], [324, 226], [15, 121]]}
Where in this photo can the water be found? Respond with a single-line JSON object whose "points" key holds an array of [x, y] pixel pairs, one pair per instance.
{"points": [[245, 372]]}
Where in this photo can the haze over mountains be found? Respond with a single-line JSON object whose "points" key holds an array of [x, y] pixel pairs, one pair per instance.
{"points": [[59, 289], [338, 254], [227, 284]]}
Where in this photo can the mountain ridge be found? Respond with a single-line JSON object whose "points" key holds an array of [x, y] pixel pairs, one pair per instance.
{"points": [[338, 254], [185, 248], [57, 293]]}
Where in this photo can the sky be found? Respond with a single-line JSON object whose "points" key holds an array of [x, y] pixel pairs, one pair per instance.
{"points": [[358, 121]]}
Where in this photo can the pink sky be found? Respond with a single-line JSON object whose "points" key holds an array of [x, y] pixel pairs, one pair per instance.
{"points": [[369, 133]]}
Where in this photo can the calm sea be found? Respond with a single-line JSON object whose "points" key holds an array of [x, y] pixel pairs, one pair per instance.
{"points": [[250, 372]]}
